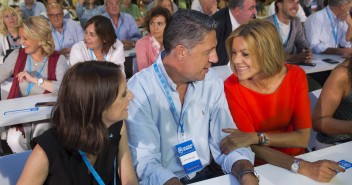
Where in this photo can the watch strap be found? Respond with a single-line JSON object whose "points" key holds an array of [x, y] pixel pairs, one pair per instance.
{"points": [[249, 171]]}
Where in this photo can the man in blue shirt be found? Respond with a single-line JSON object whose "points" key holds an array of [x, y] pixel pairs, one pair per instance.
{"points": [[32, 8], [179, 105], [124, 24], [66, 32]]}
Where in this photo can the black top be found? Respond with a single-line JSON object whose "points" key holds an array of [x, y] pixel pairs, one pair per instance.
{"points": [[68, 168]]}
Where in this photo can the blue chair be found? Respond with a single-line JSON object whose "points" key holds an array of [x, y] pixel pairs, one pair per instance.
{"points": [[11, 167]]}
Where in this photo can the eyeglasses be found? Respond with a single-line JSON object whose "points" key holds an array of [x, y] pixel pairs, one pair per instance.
{"points": [[55, 15], [113, 4]]}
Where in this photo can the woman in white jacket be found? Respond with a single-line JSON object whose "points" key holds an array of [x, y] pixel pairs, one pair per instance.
{"points": [[9, 37]]}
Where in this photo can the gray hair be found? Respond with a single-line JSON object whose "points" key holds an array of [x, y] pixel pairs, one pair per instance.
{"points": [[338, 2], [188, 28], [235, 3]]}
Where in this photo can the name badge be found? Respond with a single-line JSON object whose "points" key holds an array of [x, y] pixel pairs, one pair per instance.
{"points": [[188, 156]]}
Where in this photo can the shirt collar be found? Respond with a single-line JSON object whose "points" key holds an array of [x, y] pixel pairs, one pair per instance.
{"points": [[234, 22], [333, 16]]}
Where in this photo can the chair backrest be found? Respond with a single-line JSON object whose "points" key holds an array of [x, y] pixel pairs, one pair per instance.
{"points": [[313, 96], [11, 167]]}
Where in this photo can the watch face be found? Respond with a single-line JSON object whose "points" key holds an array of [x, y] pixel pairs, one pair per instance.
{"points": [[295, 166]]}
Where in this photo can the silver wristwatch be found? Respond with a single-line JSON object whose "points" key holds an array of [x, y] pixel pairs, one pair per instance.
{"points": [[40, 81], [295, 165]]}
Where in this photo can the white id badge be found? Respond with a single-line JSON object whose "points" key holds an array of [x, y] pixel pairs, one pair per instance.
{"points": [[188, 156]]}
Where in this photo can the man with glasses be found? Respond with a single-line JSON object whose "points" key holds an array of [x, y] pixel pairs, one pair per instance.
{"points": [[124, 24], [66, 32], [329, 31], [32, 8], [238, 12]]}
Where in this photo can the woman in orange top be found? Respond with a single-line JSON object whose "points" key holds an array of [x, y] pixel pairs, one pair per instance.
{"points": [[269, 102]]}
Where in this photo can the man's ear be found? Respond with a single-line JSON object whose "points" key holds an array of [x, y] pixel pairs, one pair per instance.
{"points": [[180, 52]]}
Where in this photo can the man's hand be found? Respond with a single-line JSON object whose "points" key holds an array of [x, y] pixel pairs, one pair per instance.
{"points": [[173, 181], [321, 171], [247, 178], [65, 52], [305, 56], [237, 139], [127, 44]]}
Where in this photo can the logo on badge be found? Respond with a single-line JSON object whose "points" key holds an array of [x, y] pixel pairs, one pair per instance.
{"points": [[180, 150]]}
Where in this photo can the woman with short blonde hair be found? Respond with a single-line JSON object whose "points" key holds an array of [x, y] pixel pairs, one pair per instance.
{"points": [[37, 69], [9, 37], [269, 102]]}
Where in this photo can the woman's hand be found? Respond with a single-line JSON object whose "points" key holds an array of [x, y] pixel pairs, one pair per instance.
{"points": [[321, 171], [26, 76], [237, 139]]}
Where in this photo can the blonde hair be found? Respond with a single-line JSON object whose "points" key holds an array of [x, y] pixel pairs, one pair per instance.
{"points": [[3, 27], [38, 28], [264, 45]]}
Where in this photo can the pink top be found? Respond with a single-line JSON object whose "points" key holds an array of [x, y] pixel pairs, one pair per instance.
{"points": [[147, 51]]}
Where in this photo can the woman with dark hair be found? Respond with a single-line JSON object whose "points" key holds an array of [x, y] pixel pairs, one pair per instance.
{"points": [[332, 117], [100, 43], [88, 143], [148, 48], [86, 9], [37, 69]]}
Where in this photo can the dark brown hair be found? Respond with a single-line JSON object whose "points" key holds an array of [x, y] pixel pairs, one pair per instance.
{"points": [[156, 12], [87, 90], [105, 31]]}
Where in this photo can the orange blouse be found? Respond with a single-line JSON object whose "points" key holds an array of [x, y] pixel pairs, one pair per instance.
{"points": [[284, 110]]}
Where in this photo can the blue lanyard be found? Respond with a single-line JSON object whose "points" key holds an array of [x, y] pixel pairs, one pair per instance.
{"points": [[12, 42], [92, 170], [61, 42], [30, 84], [92, 55], [172, 105], [332, 26], [278, 29]]}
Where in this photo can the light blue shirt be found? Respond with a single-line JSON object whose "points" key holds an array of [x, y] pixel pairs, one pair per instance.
{"points": [[36, 10], [84, 13], [319, 31], [71, 34], [153, 132], [127, 28]]}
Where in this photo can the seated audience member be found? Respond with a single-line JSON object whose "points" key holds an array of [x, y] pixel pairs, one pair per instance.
{"points": [[99, 44], [332, 117], [9, 36], [168, 4], [66, 14], [66, 32], [208, 7], [329, 31], [124, 25], [88, 131], [276, 128], [298, 13], [31, 8], [127, 7], [228, 19], [291, 31], [18, 10], [148, 48], [37, 69], [192, 113], [87, 9], [14, 2]]}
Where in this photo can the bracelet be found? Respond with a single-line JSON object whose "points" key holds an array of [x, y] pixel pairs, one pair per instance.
{"points": [[262, 139], [249, 171]]}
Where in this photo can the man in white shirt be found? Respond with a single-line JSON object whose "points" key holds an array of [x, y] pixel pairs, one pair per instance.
{"points": [[329, 30], [32, 8], [228, 19], [300, 14]]}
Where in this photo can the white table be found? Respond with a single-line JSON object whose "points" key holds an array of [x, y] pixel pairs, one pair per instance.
{"points": [[272, 175], [25, 103], [225, 71]]}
